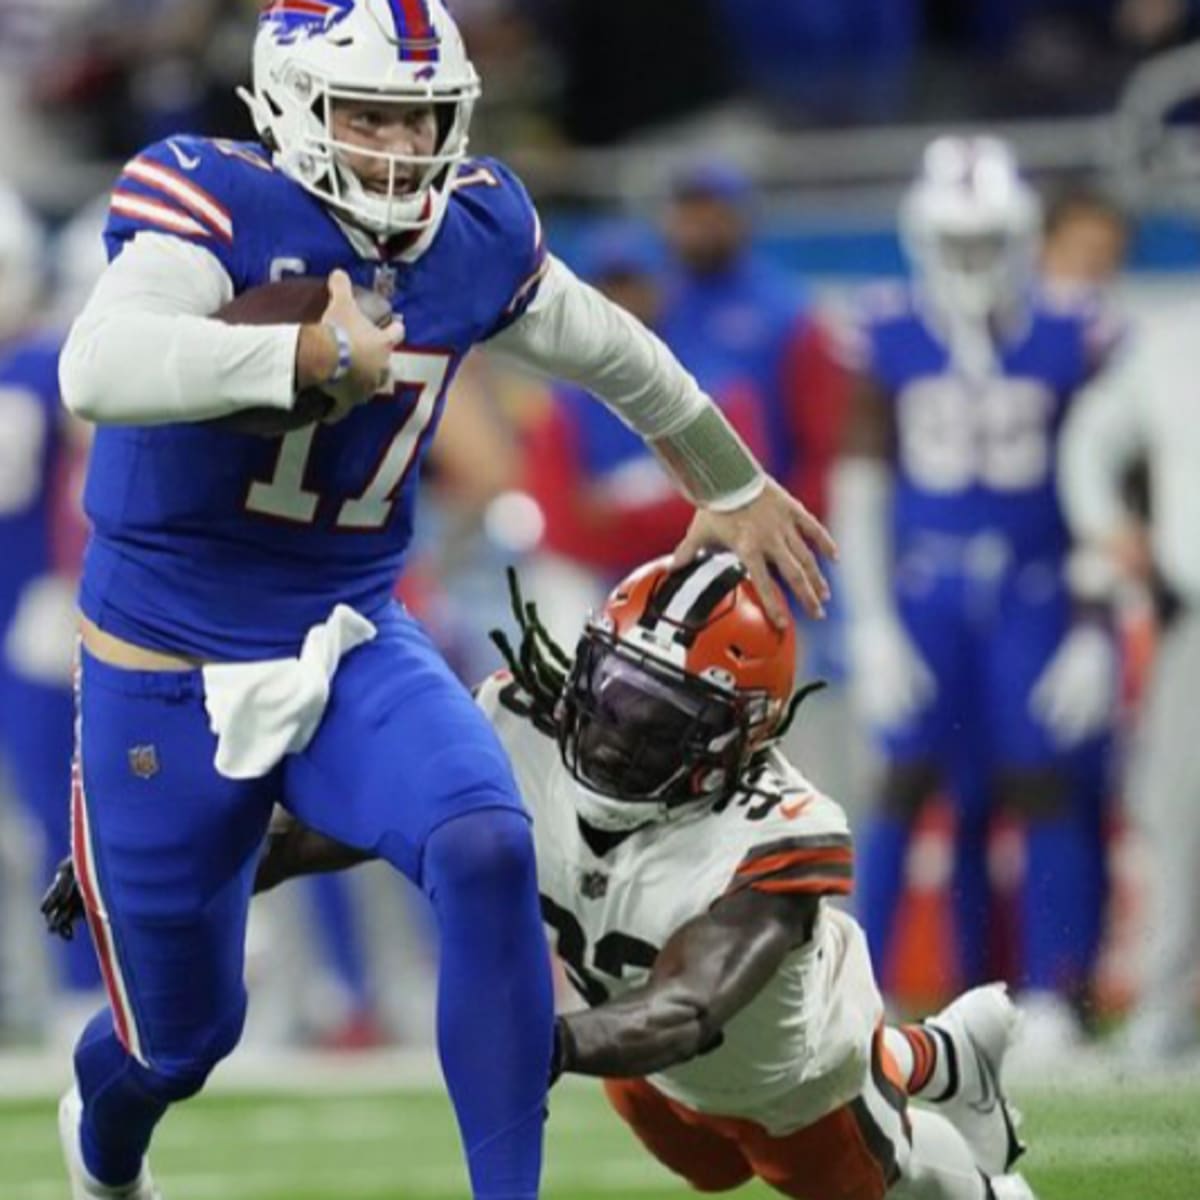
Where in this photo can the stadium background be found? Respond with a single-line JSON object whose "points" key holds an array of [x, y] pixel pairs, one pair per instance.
{"points": [[823, 106]]}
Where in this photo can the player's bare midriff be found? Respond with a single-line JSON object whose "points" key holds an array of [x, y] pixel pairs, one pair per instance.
{"points": [[117, 652]]}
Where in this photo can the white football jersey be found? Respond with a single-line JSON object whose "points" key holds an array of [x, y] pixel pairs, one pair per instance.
{"points": [[801, 1048]]}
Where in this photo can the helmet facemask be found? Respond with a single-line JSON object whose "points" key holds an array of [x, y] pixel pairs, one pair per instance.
{"points": [[978, 273], [971, 227], [644, 738]]}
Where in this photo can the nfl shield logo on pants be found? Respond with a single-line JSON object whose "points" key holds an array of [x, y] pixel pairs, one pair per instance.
{"points": [[143, 761]]}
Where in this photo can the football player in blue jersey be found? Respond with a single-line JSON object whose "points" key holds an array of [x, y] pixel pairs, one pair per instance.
{"points": [[239, 639], [975, 661], [37, 574]]}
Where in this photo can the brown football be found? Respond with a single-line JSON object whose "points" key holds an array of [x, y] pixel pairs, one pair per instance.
{"points": [[289, 302]]}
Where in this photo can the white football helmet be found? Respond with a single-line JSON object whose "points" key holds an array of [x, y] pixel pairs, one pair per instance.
{"points": [[310, 53], [21, 245], [970, 224]]}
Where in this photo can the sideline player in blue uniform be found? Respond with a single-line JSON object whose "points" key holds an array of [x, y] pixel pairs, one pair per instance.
{"points": [[239, 641], [36, 635], [973, 662], [35, 692]]}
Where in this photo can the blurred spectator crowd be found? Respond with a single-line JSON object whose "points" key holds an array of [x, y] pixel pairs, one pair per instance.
{"points": [[84, 83]]}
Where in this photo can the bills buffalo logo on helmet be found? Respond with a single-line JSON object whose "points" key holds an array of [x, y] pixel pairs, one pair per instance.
{"points": [[293, 19]]}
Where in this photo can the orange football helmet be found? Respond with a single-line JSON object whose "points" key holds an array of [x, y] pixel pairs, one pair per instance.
{"points": [[677, 681]]}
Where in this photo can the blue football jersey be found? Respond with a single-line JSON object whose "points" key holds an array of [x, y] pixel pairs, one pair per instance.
{"points": [[29, 445], [229, 546], [979, 455]]}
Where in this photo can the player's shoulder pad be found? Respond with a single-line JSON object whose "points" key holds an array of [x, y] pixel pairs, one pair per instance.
{"points": [[795, 839], [496, 199], [198, 189]]}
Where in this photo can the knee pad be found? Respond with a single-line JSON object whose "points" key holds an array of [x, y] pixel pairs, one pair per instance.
{"points": [[1035, 793], [489, 848], [906, 787]]}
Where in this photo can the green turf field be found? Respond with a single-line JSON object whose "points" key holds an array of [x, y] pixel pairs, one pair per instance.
{"points": [[1093, 1143]]}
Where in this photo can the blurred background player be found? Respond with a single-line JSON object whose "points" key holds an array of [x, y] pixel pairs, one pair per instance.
{"points": [[732, 315], [41, 538], [1085, 242], [969, 657], [1146, 407]]}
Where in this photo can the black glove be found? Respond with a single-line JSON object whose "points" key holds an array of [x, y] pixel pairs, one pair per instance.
{"points": [[62, 905]]}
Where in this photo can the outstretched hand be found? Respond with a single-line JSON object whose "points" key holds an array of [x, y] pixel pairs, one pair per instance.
{"points": [[773, 530]]}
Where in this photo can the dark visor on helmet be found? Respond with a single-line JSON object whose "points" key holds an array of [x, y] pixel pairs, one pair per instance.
{"points": [[638, 730]]}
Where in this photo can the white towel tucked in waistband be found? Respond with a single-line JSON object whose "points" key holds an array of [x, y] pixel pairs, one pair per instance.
{"points": [[261, 711]]}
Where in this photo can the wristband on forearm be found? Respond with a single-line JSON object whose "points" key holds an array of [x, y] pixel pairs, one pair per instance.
{"points": [[344, 353], [712, 465]]}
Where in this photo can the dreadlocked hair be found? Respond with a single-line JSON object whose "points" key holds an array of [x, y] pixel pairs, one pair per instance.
{"points": [[540, 668], [538, 664]]}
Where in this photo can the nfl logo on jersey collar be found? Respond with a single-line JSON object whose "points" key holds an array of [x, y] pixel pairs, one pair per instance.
{"points": [[593, 885]]}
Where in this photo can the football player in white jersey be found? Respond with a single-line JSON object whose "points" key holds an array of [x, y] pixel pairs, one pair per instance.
{"points": [[684, 866]]}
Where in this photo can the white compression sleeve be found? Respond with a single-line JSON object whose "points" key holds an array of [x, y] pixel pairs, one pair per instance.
{"points": [[572, 332], [144, 351]]}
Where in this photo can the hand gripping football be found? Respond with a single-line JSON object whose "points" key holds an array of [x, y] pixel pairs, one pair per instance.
{"points": [[290, 302]]}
